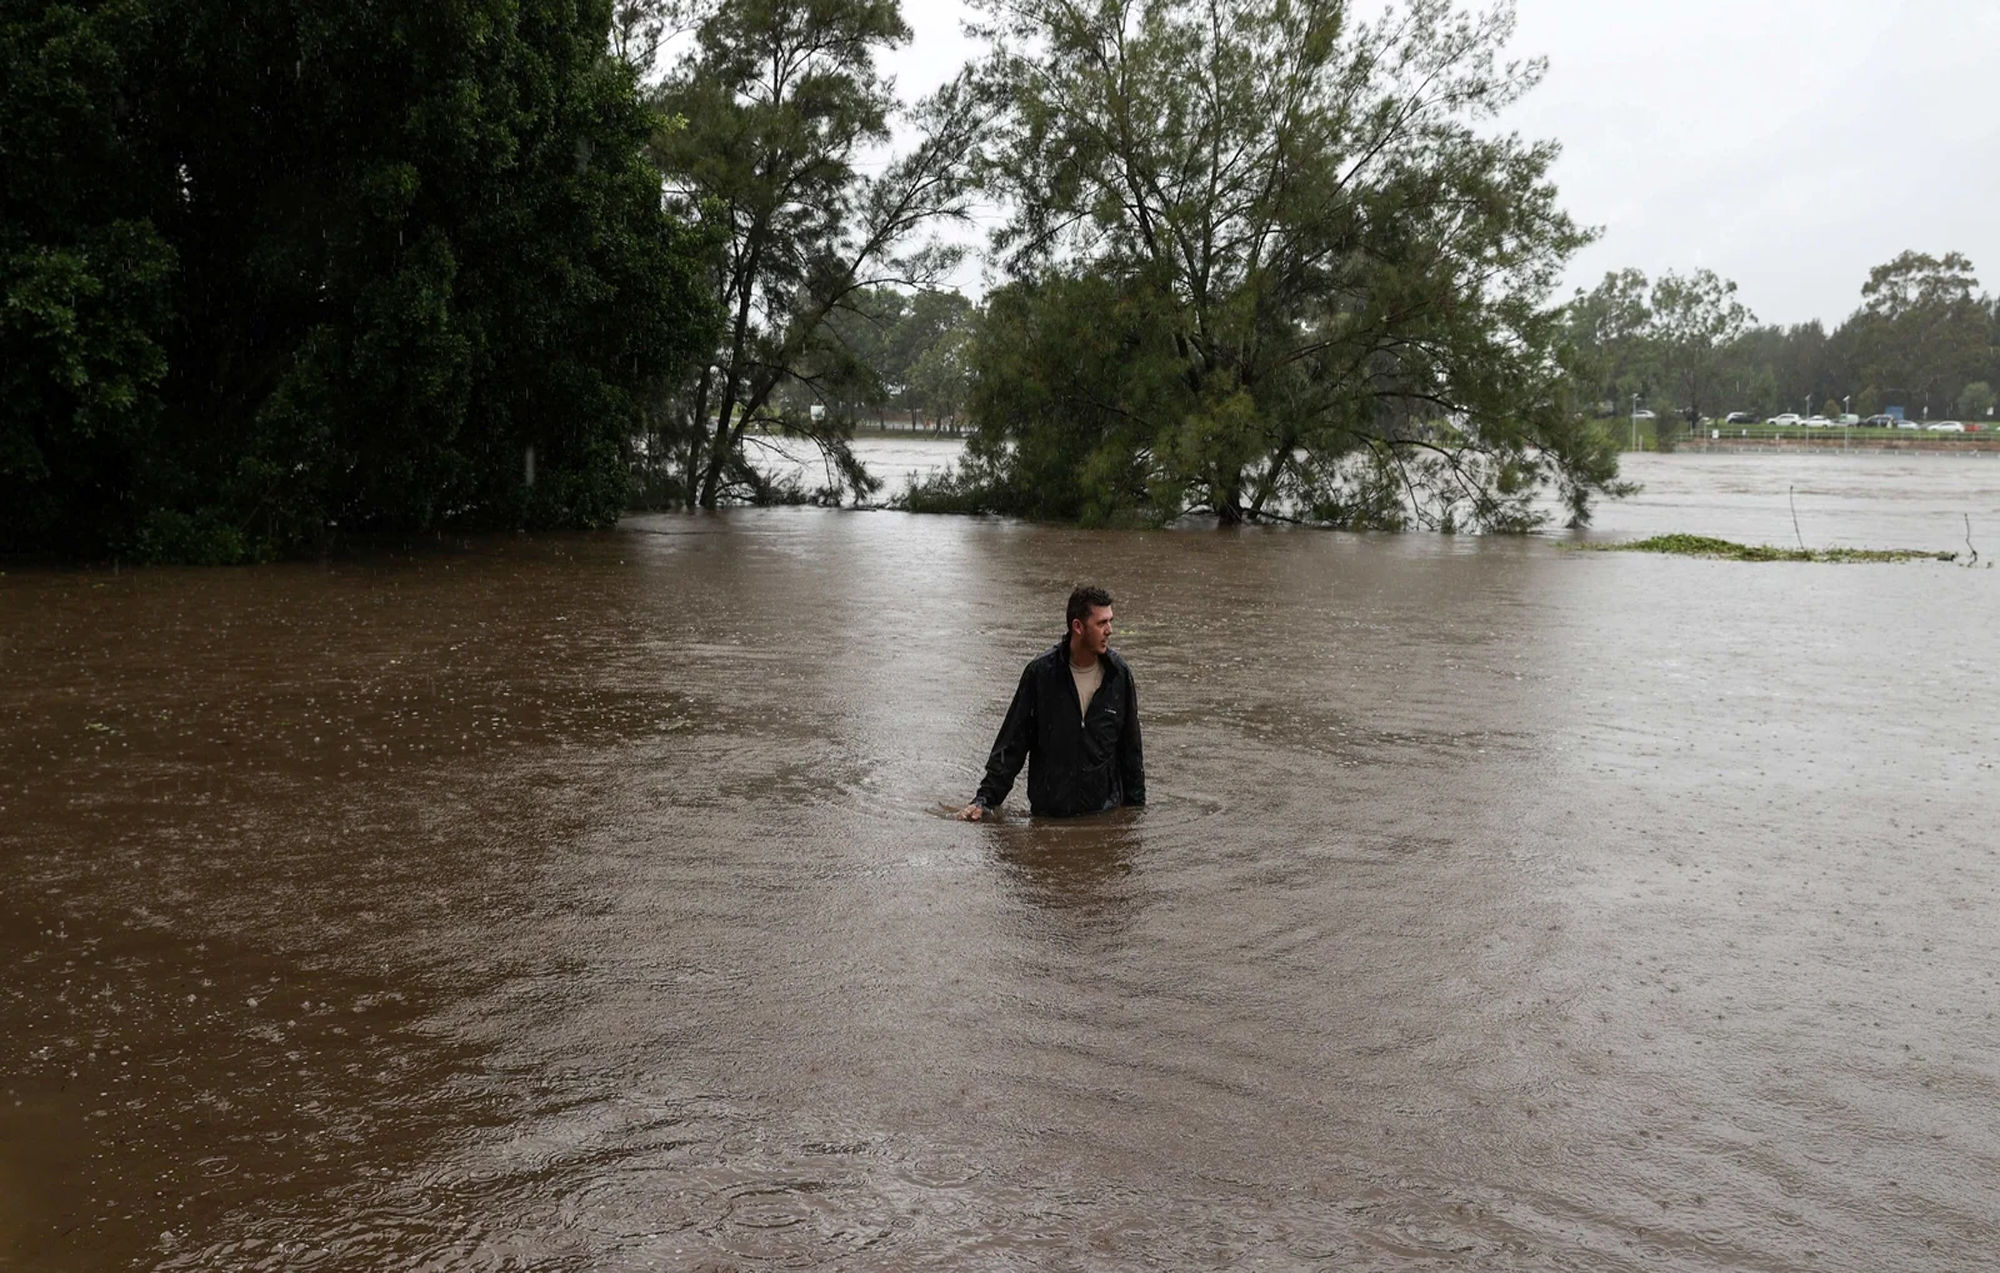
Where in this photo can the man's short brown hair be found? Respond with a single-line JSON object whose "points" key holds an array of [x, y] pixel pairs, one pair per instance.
{"points": [[1083, 601]]}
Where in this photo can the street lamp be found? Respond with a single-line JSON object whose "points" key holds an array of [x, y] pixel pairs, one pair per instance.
{"points": [[1635, 422]]}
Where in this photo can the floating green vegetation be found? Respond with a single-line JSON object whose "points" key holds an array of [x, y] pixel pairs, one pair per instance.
{"points": [[1707, 546]]}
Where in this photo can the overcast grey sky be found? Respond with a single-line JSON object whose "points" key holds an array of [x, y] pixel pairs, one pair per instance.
{"points": [[1786, 144]]}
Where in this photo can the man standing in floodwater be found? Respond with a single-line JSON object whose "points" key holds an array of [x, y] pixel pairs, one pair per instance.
{"points": [[1075, 720]]}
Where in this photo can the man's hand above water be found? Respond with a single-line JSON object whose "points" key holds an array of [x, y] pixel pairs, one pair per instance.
{"points": [[972, 812]]}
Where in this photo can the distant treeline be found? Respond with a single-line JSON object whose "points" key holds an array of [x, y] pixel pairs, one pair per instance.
{"points": [[1924, 338]]}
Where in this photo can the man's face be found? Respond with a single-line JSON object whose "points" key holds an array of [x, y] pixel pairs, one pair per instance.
{"points": [[1092, 634]]}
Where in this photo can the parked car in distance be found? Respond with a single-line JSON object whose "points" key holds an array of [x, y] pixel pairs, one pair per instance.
{"points": [[1908, 424], [1645, 413], [1849, 418], [1740, 417], [1947, 426], [1818, 422], [1881, 422], [1790, 419]]}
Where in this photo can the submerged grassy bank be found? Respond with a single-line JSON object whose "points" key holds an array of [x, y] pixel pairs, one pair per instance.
{"points": [[1706, 546]]}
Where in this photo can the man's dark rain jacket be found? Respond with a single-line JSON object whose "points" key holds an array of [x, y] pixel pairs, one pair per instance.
{"points": [[1076, 764]]}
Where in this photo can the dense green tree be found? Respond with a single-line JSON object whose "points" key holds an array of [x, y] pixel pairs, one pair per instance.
{"points": [[1991, 372], [85, 278], [882, 351], [1268, 262], [277, 270], [1922, 333], [1607, 329], [776, 102], [1673, 343], [1975, 401], [852, 368], [1695, 321], [1079, 367], [1803, 369]]}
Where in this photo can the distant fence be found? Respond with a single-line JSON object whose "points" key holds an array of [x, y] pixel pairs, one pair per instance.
{"points": [[1766, 438]]}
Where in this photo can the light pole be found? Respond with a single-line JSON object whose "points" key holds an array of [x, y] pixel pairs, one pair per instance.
{"points": [[1635, 422]]}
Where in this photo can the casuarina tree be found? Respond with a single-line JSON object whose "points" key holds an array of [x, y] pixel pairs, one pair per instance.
{"points": [[774, 105], [1265, 261]]}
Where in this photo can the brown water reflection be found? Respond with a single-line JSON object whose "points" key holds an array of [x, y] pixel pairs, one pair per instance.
{"points": [[587, 903]]}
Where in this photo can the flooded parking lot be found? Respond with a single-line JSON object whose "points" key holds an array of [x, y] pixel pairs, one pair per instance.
{"points": [[587, 901]]}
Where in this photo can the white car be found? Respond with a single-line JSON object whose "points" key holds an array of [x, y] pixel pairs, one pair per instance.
{"points": [[1819, 422], [1908, 424], [1789, 420], [1947, 426]]}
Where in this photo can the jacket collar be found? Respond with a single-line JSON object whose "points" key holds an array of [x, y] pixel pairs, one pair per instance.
{"points": [[1109, 658]]}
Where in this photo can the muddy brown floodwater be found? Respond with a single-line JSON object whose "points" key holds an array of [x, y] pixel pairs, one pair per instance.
{"points": [[584, 902]]}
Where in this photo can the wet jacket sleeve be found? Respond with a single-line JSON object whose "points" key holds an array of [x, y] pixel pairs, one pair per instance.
{"points": [[1131, 758], [1010, 749]]}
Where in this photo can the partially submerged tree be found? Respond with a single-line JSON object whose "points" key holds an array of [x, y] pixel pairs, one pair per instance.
{"points": [[1270, 264], [274, 271], [772, 110]]}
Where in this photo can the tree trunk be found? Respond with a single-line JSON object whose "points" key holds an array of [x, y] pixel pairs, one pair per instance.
{"points": [[719, 444], [1227, 498], [699, 417], [724, 440], [1269, 482], [731, 420]]}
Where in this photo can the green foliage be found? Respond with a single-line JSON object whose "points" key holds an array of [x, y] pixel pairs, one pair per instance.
{"points": [[1975, 401], [1922, 333], [774, 103], [84, 279], [1077, 368], [1608, 330], [277, 273], [927, 356], [883, 350], [1268, 265], [1670, 343], [1695, 319]]}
